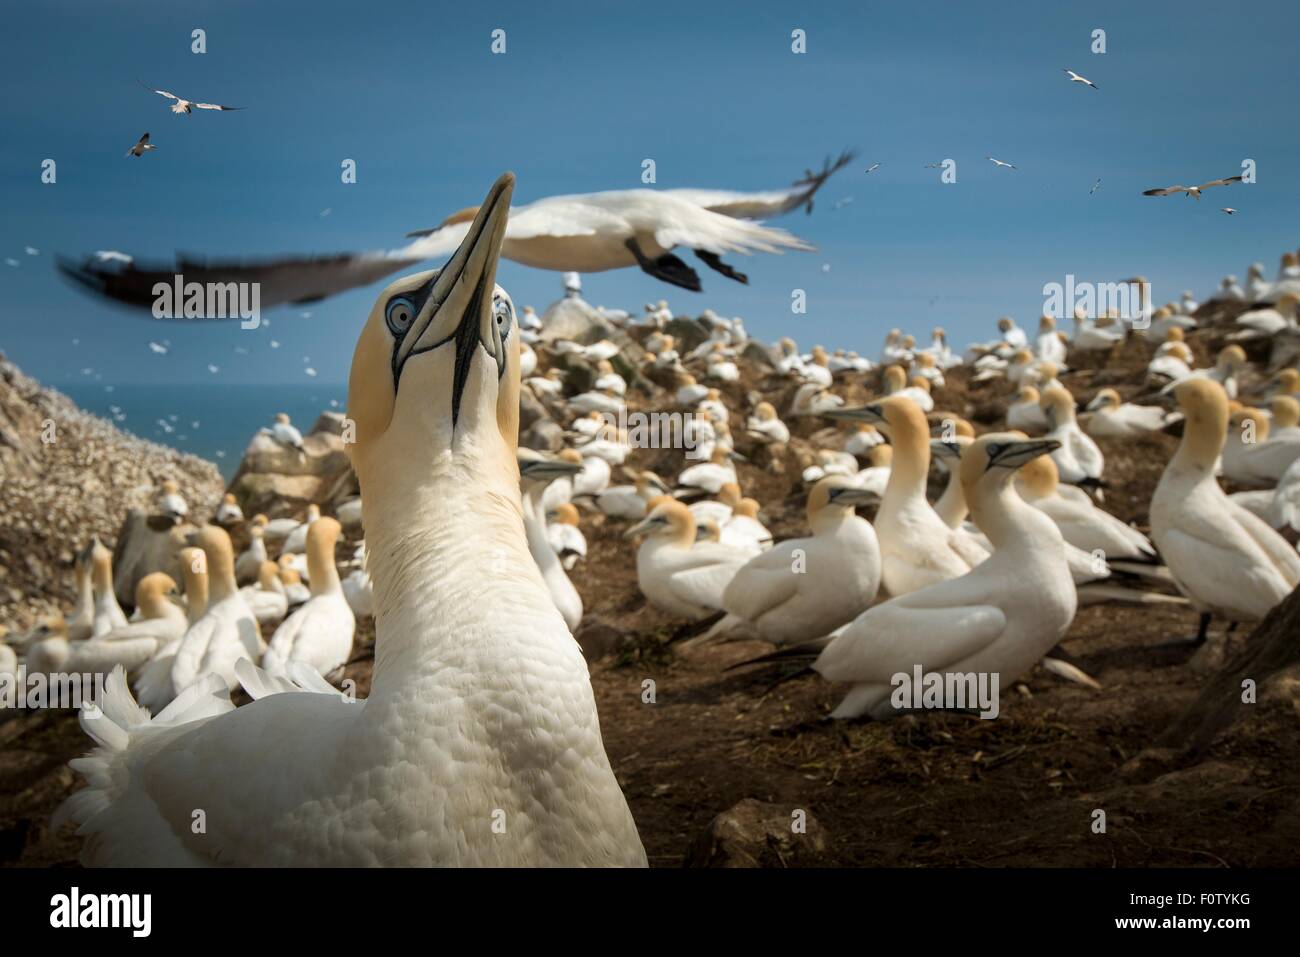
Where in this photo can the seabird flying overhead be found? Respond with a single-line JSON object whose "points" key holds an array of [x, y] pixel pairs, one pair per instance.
{"points": [[1194, 191], [590, 232], [998, 162], [141, 147], [187, 106], [872, 168], [1075, 78], [1095, 186], [1227, 209]]}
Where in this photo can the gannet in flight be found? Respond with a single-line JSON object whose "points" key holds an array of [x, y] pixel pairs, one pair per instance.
{"points": [[1075, 78], [481, 707], [141, 147], [998, 162], [591, 232], [187, 106], [1193, 191]]}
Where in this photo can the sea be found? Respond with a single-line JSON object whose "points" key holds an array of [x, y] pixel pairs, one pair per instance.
{"points": [[210, 420]]}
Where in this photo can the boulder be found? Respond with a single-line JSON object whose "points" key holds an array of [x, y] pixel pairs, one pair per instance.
{"points": [[276, 480], [144, 546]]}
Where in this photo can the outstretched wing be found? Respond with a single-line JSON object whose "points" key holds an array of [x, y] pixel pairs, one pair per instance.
{"points": [[1221, 182], [1164, 190], [215, 106]]}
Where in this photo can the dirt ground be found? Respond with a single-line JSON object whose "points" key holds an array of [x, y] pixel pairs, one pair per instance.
{"points": [[934, 789]]}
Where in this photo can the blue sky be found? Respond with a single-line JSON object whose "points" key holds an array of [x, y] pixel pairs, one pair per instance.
{"points": [[587, 91]]}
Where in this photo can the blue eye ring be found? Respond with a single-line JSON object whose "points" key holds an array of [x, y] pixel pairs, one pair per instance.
{"points": [[399, 314], [501, 311]]}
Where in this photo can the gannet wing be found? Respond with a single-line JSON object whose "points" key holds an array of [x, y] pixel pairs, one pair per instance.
{"points": [[170, 96], [288, 279], [768, 203], [562, 216], [895, 637], [1164, 191], [1282, 555], [1221, 182], [678, 223], [215, 106], [704, 584], [765, 582]]}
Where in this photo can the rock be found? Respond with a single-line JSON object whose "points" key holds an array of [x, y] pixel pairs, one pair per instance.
{"points": [[276, 480], [143, 549], [687, 334], [756, 353], [544, 435], [756, 834], [1149, 761], [599, 639], [572, 318]]}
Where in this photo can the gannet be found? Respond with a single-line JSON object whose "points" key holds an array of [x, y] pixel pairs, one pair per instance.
{"points": [[1095, 336], [551, 384], [536, 474], [712, 404], [676, 574], [295, 542], [1257, 287], [1168, 326], [1001, 617], [951, 503], [291, 579], [227, 630], [47, 647], [1227, 365], [812, 399], [807, 587], [607, 380], [894, 381], [1075, 78], [1268, 321], [998, 162], [169, 502], [481, 707], [689, 392], [1115, 419], [565, 536], [182, 106], [629, 501], [141, 147], [1230, 290], [1192, 191], [267, 599], [134, 644], [1012, 334], [108, 613], [1048, 346], [1077, 457], [82, 621], [154, 686], [708, 476], [1025, 414], [1225, 560], [228, 512], [1256, 458], [319, 634], [284, 433], [251, 559], [917, 549], [765, 426]]}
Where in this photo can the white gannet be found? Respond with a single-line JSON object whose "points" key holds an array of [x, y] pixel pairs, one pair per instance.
{"points": [[1011, 333], [765, 426], [153, 686], [267, 598], [141, 147], [565, 536], [291, 579], [917, 549], [744, 529], [1192, 191], [1268, 321], [1048, 346], [1229, 289], [812, 399], [951, 503], [607, 380], [108, 613], [1224, 559], [689, 392], [998, 162], [227, 630], [82, 621], [1025, 414], [1077, 456], [251, 559], [536, 475], [183, 106], [481, 706], [708, 476], [1115, 419], [1076, 78], [629, 501], [676, 574], [1251, 454], [1084, 525], [805, 588], [133, 645], [170, 503], [1001, 617], [295, 543], [865, 437], [1095, 335], [284, 433], [319, 634], [228, 512]]}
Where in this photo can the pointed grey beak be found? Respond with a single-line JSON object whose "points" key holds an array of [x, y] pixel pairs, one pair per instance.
{"points": [[858, 413], [853, 496], [547, 470], [1015, 454], [949, 451], [460, 307]]}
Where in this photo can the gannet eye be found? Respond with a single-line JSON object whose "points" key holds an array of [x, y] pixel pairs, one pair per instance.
{"points": [[994, 450], [501, 315], [399, 315]]}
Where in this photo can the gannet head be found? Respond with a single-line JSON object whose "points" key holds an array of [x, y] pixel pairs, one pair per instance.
{"points": [[1204, 405], [1286, 411], [151, 593], [1255, 416], [268, 576], [668, 519], [535, 470], [1027, 393], [436, 368], [949, 451], [839, 493], [1000, 453], [765, 412], [217, 551], [648, 482], [1174, 334], [1231, 358], [1005, 324], [1288, 381], [1105, 398], [892, 379]]}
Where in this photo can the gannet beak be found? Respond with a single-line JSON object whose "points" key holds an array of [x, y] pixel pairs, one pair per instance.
{"points": [[853, 496], [460, 307], [645, 525], [1095, 404], [874, 414], [1012, 455], [945, 450], [548, 470]]}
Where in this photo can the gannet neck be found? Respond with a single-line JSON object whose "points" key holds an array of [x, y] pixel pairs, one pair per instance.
{"points": [[101, 570], [909, 437], [85, 591], [1286, 412], [220, 562], [1205, 407], [440, 562], [151, 595], [194, 569], [322, 535]]}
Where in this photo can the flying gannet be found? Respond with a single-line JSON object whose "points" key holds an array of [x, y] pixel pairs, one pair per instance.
{"points": [[481, 708], [183, 106], [141, 147], [1193, 191], [1075, 78]]}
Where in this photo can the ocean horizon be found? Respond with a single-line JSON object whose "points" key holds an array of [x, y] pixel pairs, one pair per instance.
{"points": [[214, 421]]}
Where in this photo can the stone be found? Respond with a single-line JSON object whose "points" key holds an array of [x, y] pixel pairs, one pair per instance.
{"points": [[754, 833]]}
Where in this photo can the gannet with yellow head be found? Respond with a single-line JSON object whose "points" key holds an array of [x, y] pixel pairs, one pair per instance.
{"points": [[479, 743]]}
